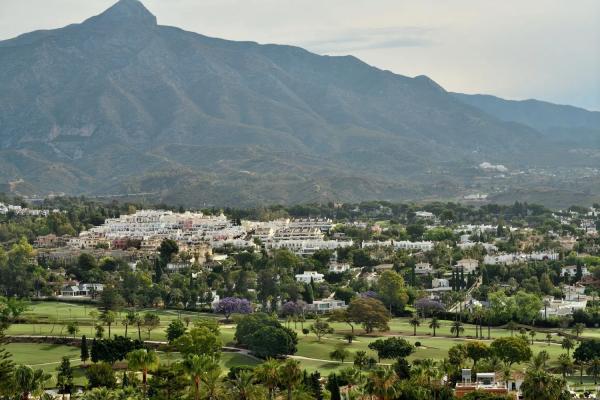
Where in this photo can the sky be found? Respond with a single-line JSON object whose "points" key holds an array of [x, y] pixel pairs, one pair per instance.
{"points": [[516, 49]]}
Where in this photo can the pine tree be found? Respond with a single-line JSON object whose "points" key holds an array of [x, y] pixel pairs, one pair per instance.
{"points": [[6, 364], [85, 353]]}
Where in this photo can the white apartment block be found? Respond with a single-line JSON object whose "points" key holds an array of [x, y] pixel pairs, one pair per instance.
{"points": [[515, 258], [400, 244], [307, 247]]}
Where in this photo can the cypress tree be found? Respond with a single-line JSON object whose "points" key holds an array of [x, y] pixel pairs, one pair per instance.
{"points": [[85, 353], [315, 385], [309, 296], [94, 352], [334, 387]]}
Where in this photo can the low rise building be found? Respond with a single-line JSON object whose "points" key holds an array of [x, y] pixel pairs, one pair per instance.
{"points": [[325, 305], [82, 290], [572, 271], [467, 265], [338, 268], [423, 268], [309, 276]]}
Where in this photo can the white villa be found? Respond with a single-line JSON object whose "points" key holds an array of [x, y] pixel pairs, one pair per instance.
{"points": [[82, 290], [325, 305], [423, 268], [338, 268], [468, 265], [571, 271], [309, 276]]}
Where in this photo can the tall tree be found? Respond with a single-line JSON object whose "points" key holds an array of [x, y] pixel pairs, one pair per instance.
{"points": [[29, 381], [84, 353], [290, 376], [64, 378], [434, 324], [197, 366], [143, 360], [415, 322], [269, 373]]}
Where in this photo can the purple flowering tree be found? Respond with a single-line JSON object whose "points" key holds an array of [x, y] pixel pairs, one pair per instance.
{"points": [[428, 307], [233, 305], [293, 308]]}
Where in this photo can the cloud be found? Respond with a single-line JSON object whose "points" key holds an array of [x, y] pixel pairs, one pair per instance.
{"points": [[370, 38]]}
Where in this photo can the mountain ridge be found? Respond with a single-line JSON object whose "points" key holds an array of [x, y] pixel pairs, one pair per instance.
{"points": [[118, 101]]}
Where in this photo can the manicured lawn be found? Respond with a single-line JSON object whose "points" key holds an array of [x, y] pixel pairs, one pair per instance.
{"points": [[50, 318]]}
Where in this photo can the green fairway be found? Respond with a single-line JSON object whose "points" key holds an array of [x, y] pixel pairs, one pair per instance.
{"points": [[50, 319]]}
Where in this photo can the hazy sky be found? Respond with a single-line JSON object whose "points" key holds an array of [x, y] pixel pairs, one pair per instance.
{"points": [[545, 49]]}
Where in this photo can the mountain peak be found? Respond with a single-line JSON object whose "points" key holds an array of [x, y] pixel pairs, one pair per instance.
{"points": [[131, 12]]}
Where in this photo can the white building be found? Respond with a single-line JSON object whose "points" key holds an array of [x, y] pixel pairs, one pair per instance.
{"points": [[468, 265], [325, 305], [82, 290], [338, 268], [425, 215], [307, 247], [561, 308], [400, 244], [571, 271], [308, 276], [423, 268], [515, 258]]}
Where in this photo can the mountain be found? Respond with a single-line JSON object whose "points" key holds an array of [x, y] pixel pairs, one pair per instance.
{"points": [[119, 104], [560, 123]]}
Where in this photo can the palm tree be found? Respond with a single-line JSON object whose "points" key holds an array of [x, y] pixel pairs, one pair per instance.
{"points": [[268, 373], [478, 314], [425, 369], [538, 362], [565, 365], [29, 381], [567, 344], [244, 387], [457, 328], [546, 305], [143, 360], [511, 326], [211, 380], [581, 364], [434, 324], [578, 329], [414, 322], [594, 369], [532, 333], [108, 318], [290, 376], [128, 320], [196, 366], [383, 384], [94, 316]]}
